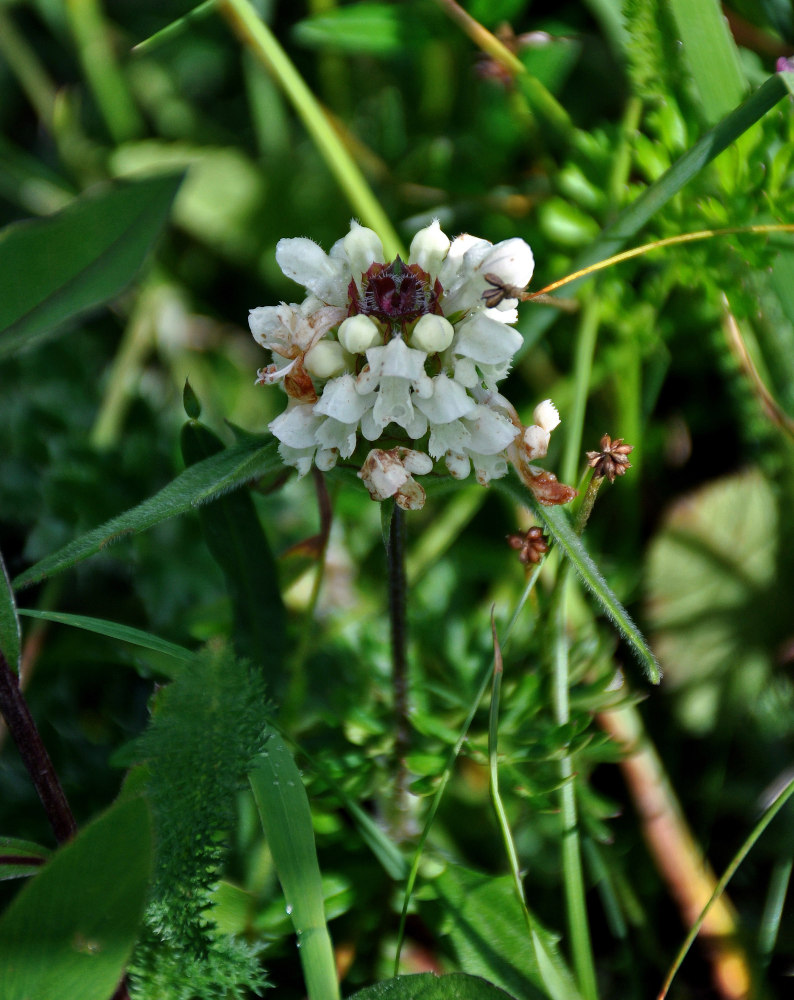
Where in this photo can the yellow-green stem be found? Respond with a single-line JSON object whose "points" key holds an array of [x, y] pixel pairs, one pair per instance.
{"points": [[255, 34]]}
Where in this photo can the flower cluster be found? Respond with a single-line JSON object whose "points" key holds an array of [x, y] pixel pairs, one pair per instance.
{"points": [[407, 354]]}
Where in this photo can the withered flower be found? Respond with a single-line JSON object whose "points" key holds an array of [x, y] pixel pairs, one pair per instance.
{"points": [[531, 545], [612, 460]]}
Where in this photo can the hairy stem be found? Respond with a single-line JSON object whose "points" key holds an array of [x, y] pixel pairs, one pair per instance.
{"points": [[34, 756]]}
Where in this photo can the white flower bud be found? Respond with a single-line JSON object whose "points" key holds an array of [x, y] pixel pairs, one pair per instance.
{"points": [[546, 416], [363, 248], [432, 334], [536, 439], [358, 333], [326, 359], [429, 248]]}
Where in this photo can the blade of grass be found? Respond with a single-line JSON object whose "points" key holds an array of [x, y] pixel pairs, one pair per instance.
{"points": [[256, 36], [287, 822], [10, 636], [115, 630], [768, 815], [556, 979], [711, 56]]}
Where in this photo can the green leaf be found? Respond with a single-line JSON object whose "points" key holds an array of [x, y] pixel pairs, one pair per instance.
{"points": [[235, 538], [54, 269], [373, 28], [21, 857], [711, 56], [70, 931], [200, 483], [9, 622], [114, 630], [556, 523], [427, 986], [286, 818], [489, 935]]}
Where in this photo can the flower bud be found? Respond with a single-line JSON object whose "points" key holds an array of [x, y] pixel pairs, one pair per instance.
{"points": [[429, 248], [546, 416], [362, 246], [432, 334], [358, 333], [326, 359]]}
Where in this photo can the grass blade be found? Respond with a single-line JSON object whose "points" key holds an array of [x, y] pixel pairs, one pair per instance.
{"points": [[286, 818], [9, 622]]}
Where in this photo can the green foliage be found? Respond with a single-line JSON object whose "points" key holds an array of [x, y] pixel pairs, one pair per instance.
{"points": [[71, 930], [286, 120], [207, 727], [77, 259]]}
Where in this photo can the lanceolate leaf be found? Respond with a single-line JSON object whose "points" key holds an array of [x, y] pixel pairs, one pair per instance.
{"points": [[9, 623], [238, 544], [70, 931], [559, 527], [53, 269], [198, 484]]}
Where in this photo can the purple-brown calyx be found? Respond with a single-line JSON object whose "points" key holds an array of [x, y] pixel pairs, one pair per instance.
{"points": [[397, 294]]}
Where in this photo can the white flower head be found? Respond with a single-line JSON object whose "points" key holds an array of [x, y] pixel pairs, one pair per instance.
{"points": [[407, 351]]}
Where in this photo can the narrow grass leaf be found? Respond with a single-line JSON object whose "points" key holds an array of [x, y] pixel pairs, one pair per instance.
{"points": [[286, 818], [379, 29], [427, 986], [70, 931], [711, 56], [198, 484], [559, 527], [115, 630], [10, 639], [77, 259], [235, 538]]}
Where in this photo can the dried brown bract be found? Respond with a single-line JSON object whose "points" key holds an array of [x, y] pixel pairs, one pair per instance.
{"points": [[612, 460], [531, 545]]}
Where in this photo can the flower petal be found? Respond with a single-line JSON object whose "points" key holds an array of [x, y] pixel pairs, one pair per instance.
{"points": [[448, 402], [484, 339], [305, 262], [490, 431]]}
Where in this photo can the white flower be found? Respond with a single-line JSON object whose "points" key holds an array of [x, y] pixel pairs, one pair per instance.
{"points": [[406, 350]]}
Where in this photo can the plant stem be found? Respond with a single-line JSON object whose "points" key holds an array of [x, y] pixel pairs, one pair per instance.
{"points": [[34, 755], [397, 600], [578, 928]]}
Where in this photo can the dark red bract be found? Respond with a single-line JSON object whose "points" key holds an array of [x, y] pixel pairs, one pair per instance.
{"points": [[395, 293]]}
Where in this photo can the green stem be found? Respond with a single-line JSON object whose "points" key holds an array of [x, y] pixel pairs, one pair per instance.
{"points": [[573, 879], [104, 76], [583, 367], [255, 34], [26, 67]]}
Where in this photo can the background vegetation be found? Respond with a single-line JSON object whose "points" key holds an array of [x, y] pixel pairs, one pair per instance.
{"points": [[686, 352]]}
